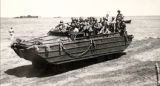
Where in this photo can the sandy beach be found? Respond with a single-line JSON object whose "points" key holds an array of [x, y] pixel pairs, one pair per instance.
{"points": [[136, 67]]}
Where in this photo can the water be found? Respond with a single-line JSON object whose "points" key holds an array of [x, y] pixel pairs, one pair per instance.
{"points": [[132, 67], [145, 27], [141, 27], [27, 27]]}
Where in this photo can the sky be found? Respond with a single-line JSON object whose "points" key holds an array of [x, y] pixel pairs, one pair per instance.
{"points": [[70, 8]]}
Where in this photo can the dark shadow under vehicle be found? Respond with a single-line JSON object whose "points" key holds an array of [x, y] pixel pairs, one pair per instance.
{"points": [[51, 70]]}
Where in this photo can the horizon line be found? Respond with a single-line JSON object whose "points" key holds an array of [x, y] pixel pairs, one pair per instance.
{"points": [[76, 16]]}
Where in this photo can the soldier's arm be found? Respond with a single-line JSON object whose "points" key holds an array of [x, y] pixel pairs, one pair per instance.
{"points": [[57, 25]]}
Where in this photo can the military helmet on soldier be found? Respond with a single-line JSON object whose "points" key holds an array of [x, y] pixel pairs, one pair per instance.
{"points": [[107, 15], [61, 21], [118, 11]]}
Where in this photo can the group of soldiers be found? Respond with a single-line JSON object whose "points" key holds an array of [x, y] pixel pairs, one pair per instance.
{"points": [[92, 26]]}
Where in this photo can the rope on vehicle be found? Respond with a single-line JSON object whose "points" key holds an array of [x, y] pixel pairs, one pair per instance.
{"points": [[47, 49], [93, 46], [60, 49], [90, 47], [36, 47], [125, 38]]}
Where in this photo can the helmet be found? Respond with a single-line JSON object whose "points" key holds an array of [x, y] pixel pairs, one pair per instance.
{"points": [[72, 18], [61, 21], [107, 15], [95, 19]]}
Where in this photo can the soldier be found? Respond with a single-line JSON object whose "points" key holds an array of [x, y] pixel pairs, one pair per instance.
{"points": [[81, 19], [119, 16], [101, 20], [97, 27], [72, 19], [119, 20], [122, 29], [105, 25], [112, 25], [81, 24], [61, 26], [107, 16], [11, 32], [87, 29]]}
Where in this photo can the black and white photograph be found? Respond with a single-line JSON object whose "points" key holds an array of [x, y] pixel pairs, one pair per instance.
{"points": [[80, 43]]}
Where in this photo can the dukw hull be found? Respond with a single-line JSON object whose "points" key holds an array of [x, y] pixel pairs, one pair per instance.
{"points": [[68, 51]]}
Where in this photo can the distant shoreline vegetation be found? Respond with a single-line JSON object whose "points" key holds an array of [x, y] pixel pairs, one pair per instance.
{"points": [[28, 16], [57, 17], [150, 16]]}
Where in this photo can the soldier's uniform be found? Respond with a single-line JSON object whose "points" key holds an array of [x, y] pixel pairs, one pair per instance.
{"points": [[61, 26], [119, 16], [119, 20]]}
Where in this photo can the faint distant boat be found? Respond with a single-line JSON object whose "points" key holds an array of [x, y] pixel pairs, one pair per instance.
{"points": [[57, 17], [127, 21], [28, 16]]}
